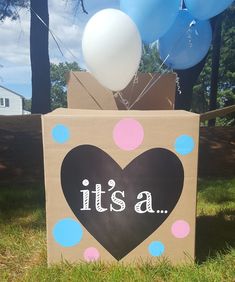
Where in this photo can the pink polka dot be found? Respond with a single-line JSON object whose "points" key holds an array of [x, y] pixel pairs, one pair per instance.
{"points": [[128, 134], [180, 229], [91, 254]]}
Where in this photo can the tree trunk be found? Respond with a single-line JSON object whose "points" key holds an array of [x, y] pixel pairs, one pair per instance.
{"points": [[215, 66], [40, 64], [187, 80]]}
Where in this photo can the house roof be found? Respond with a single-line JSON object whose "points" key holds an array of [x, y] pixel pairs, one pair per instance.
{"points": [[12, 91]]}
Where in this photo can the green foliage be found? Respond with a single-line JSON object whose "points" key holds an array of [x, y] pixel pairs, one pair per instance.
{"points": [[150, 61], [58, 83], [10, 8], [216, 270], [27, 104], [226, 86]]}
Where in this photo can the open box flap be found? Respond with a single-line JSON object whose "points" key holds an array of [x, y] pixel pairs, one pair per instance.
{"points": [[85, 92], [158, 91]]}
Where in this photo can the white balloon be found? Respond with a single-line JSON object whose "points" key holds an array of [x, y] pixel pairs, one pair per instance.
{"points": [[111, 47]]}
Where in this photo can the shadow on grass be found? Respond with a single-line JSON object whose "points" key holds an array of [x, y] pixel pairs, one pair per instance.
{"points": [[12, 194], [24, 206], [214, 234]]}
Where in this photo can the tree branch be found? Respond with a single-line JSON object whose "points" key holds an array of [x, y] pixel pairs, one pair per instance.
{"points": [[5, 9], [83, 7]]}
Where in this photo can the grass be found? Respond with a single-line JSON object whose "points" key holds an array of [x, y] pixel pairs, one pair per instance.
{"points": [[23, 246]]}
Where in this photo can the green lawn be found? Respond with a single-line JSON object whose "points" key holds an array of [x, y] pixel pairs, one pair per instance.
{"points": [[23, 246]]}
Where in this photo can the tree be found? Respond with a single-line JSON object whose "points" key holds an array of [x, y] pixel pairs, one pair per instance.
{"points": [[150, 61], [58, 83], [188, 78], [195, 82], [40, 63], [39, 55], [226, 84], [27, 105], [9, 8]]}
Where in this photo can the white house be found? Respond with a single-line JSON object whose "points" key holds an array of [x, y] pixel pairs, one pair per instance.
{"points": [[11, 103]]}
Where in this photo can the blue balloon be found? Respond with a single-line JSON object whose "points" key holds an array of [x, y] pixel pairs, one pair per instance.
{"points": [[206, 9], [186, 43], [152, 17]]}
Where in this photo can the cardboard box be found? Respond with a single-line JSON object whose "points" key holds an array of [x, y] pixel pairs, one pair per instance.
{"points": [[120, 185], [85, 92]]}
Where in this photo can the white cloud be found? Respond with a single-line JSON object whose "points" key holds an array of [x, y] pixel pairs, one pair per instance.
{"points": [[68, 25], [69, 39], [65, 22], [14, 45]]}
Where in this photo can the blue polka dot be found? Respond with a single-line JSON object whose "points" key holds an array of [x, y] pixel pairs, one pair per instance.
{"points": [[60, 133], [67, 232], [156, 249], [184, 145]]}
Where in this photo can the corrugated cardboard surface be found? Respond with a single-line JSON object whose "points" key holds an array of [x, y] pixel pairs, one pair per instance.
{"points": [[85, 92], [161, 128]]}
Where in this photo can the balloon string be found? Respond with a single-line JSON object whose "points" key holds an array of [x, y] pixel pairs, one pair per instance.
{"points": [[150, 84], [147, 90], [153, 77], [135, 82], [123, 100], [156, 78], [55, 37], [88, 92], [178, 85]]}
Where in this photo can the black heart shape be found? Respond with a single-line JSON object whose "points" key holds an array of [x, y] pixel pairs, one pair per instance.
{"points": [[157, 170]]}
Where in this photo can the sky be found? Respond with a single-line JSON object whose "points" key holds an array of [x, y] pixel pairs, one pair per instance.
{"points": [[65, 23]]}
